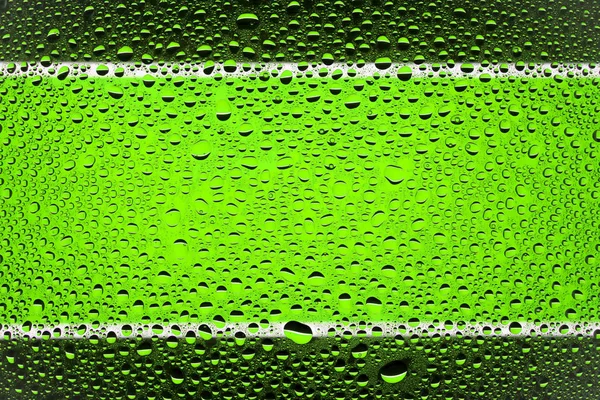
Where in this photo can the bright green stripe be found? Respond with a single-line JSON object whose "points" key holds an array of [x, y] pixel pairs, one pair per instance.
{"points": [[441, 203]]}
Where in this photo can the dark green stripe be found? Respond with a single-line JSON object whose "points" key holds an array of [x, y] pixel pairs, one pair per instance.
{"points": [[300, 30], [340, 368]]}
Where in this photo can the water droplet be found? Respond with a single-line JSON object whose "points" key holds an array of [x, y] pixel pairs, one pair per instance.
{"points": [[298, 332], [394, 371]]}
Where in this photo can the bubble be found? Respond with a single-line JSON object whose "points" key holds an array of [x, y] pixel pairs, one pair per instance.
{"points": [[340, 189], [172, 217], [515, 328], [177, 376], [144, 349], [247, 20], [298, 332], [201, 149], [404, 73], [115, 92], [394, 174], [223, 109], [352, 101], [125, 53], [394, 371]]}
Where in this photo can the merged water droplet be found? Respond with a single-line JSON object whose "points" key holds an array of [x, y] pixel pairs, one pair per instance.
{"points": [[298, 332]]}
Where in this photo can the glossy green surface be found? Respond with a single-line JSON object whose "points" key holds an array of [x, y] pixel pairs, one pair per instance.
{"points": [[187, 199]]}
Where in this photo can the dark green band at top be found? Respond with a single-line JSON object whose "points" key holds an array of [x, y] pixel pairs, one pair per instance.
{"points": [[293, 31]]}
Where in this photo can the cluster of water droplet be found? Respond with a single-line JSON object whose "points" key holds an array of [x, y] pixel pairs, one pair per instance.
{"points": [[342, 367], [167, 198], [151, 208], [326, 31]]}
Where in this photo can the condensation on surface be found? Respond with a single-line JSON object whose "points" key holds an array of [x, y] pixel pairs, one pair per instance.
{"points": [[344, 367], [321, 31], [300, 199], [185, 199]]}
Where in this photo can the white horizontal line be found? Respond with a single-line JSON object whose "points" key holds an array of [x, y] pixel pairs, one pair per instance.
{"points": [[95, 69], [319, 329]]}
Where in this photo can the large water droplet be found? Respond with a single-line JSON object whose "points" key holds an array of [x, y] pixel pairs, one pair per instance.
{"points": [[394, 372], [298, 332]]}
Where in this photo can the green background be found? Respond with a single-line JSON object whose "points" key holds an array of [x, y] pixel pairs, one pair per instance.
{"points": [[185, 199]]}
